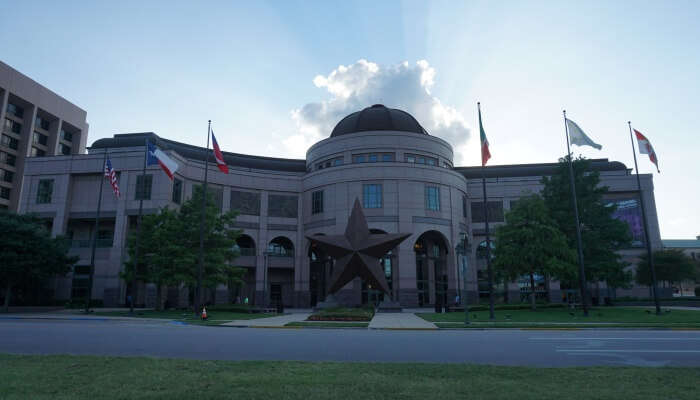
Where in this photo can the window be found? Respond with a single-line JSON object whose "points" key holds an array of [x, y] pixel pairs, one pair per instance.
{"points": [[7, 176], [37, 152], [317, 202], [387, 157], [282, 206], [360, 158], [246, 203], [15, 110], [65, 150], [373, 158], [495, 211], [430, 161], [43, 194], [9, 142], [177, 191], [432, 198], [42, 123], [410, 158], [337, 161], [67, 136], [143, 187], [372, 196], [8, 159], [4, 193], [419, 159], [464, 206], [39, 138], [12, 126], [105, 238], [216, 194]]}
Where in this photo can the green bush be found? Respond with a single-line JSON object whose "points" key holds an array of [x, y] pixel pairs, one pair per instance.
{"points": [[343, 314], [697, 291], [523, 306]]}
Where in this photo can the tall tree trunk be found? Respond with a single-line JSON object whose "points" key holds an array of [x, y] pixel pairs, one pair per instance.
{"points": [[159, 296], [8, 292], [532, 291]]}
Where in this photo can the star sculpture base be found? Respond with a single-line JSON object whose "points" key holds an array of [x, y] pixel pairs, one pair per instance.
{"points": [[357, 252]]}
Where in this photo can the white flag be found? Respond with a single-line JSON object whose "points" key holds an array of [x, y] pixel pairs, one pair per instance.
{"points": [[579, 138]]}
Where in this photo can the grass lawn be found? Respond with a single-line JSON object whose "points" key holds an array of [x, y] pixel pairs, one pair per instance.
{"points": [[88, 377], [330, 324], [622, 315], [343, 313], [215, 317]]}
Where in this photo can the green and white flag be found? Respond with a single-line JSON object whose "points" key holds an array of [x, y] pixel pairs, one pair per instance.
{"points": [[578, 137]]}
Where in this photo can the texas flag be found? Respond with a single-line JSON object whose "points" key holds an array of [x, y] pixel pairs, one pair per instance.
{"points": [[218, 155], [156, 156], [645, 148]]}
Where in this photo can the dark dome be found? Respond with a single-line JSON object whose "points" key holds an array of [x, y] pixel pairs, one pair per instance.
{"points": [[378, 118]]}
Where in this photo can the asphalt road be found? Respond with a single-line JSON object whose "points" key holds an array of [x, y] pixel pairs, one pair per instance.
{"points": [[499, 347]]}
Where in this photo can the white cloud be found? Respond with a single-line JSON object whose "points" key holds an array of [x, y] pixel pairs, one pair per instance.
{"points": [[404, 86]]}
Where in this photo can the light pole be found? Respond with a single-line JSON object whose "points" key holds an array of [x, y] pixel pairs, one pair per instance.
{"points": [[463, 296]]}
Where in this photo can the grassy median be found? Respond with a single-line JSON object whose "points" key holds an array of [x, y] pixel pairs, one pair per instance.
{"points": [[90, 377], [215, 317]]}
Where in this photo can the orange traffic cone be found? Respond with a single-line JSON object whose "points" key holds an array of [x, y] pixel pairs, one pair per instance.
{"points": [[204, 313]]}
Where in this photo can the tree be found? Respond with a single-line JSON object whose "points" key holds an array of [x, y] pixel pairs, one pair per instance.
{"points": [[601, 233], [28, 252], [169, 247], [671, 265], [531, 243]]}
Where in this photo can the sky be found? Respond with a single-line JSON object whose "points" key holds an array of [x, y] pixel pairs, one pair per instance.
{"points": [[275, 77]]}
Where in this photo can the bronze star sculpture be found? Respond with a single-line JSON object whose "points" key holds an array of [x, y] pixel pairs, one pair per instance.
{"points": [[358, 251]]}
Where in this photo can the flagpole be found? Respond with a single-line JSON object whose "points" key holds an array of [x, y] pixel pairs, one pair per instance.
{"points": [[93, 245], [646, 228], [582, 271], [198, 293], [138, 229], [488, 234]]}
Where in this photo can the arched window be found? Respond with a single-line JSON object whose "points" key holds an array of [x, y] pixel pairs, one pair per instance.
{"points": [[281, 247], [245, 245]]}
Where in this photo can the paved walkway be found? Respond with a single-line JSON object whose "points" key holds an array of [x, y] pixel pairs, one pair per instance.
{"points": [[270, 322], [399, 321]]}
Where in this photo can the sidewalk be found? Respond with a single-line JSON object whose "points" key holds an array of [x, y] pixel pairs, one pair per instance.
{"points": [[271, 322], [402, 320]]}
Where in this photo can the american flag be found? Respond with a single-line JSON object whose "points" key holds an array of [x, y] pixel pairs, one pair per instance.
{"points": [[112, 175]]}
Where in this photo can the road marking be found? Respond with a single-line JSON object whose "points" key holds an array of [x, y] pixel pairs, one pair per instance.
{"points": [[623, 351], [611, 338]]}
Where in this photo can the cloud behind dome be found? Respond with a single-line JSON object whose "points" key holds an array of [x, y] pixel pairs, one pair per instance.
{"points": [[404, 86]]}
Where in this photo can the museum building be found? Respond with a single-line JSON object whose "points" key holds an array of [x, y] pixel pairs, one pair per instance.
{"points": [[403, 177]]}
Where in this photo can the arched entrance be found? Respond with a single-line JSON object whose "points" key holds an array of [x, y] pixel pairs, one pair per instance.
{"points": [[278, 275], [320, 266], [372, 295], [431, 249]]}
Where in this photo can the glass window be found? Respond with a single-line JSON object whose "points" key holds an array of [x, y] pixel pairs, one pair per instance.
{"points": [[40, 138], [12, 126], [5, 193], [338, 161], [282, 206], [246, 203], [360, 158], [9, 142], [410, 158], [372, 196], [42, 123], [328, 164], [430, 161], [37, 152], [373, 158], [387, 157], [15, 110], [317, 202], [495, 211], [143, 187], [177, 191], [43, 194], [464, 206], [8, 159], [67, 136], [432, 198], [7, 176], [65, 150]]}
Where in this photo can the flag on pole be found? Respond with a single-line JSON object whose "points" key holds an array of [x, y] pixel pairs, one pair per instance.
{"points": [[645, 148], [578, 137], [156, 156], [112, 176], [218, 155], [485, 153]]}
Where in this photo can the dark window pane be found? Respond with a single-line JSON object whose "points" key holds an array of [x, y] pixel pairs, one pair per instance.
{"points": [[317, 202], [143, 187], [246, 203], [43, 194], [372, 196], [282, 206], [495, 211], [177, 191], [5, 193]]}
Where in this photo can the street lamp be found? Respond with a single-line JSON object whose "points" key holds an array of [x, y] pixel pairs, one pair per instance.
{"points": [[266, 255]]}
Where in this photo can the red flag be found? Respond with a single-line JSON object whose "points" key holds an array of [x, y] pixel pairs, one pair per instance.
{"points": [[218, 155], [645, 148]]}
